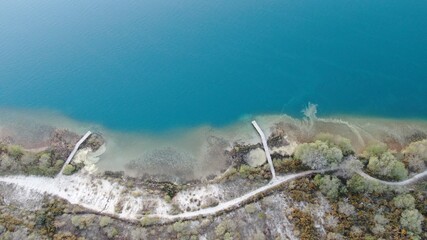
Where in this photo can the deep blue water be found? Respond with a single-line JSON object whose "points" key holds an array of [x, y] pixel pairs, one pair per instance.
{"points": [[159, 64]]}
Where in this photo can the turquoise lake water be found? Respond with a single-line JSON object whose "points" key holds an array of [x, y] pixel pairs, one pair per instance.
{"points": [[156, 65]]}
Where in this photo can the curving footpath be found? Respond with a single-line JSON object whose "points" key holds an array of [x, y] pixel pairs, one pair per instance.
{"points": [[412, 180], [227, 206]]}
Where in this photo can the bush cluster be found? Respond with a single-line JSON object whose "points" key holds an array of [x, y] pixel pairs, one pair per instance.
{"points": [[69, 169], [330, 186], [357, 184], [416, 156], [335, 140], [404, 201], [386, 165], [15, 160], [412, 219], [319, 155]]}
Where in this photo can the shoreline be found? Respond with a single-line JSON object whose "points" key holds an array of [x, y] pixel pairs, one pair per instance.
{"points": [[245, 181]]}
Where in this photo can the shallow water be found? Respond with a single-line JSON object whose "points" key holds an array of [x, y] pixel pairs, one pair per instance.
{"points": [[196, 153], [155, 65]]}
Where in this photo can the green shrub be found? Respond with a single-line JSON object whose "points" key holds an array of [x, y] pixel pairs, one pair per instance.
{"points": [[179, 226], [417, 148], [416, 155], [105, 221], [318, 155], [346, 208], [112, 232], [246, 170], [250, 208], [412, 221], [405, 201], [7, 162], [45, 160], [357, 184], [82, 222], [41, 171], [59, 164], [69, 169], [148, 221], [15, 151], [388, 166], [380, 219], [330, 186], [226, 226], [375, 150], [335, 140]]}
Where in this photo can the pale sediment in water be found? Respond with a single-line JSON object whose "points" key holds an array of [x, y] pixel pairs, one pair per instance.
{"points": [[196, 153]]}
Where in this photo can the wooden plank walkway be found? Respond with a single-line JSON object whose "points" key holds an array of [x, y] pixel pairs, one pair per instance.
{"points": [[266, 150], [76, 147]]}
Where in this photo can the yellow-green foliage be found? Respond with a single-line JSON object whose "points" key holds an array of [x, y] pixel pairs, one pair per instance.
{"points": [[318, 155], [388, 166], [105, 221], [63, 236], [82, 222], [179, 226], [406, 201], [416, 155], [375, 150], [112, 232], [69, 169], [7, 162], [148, 221], [250, 208], [59, 164], [45, 160], [226, 227], [357, 184], [246, 170], [412, 220], [15, 151], [417, 148], [336, 140], [330, 186]]}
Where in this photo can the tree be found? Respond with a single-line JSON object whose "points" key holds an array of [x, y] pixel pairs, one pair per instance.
{"points": [[412, 220], [318, 155], [69, 169], [330, 186], [388, 166]]}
